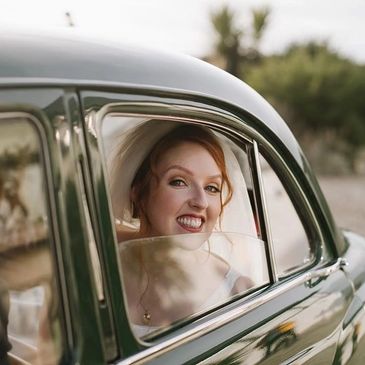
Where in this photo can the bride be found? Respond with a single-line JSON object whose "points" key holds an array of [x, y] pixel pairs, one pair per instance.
{"points": [[177, 192]]}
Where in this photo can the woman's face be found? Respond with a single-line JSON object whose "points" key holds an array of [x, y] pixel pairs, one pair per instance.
{"points": [[186, 196]]}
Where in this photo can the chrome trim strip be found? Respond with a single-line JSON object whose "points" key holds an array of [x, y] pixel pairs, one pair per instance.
{"points": [[265, 213], [93, 251], [198, 115], [210, 325], [51, 203], [327, 271]]}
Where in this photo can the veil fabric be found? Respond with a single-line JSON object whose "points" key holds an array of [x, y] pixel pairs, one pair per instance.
{"points": [[126, 156]]}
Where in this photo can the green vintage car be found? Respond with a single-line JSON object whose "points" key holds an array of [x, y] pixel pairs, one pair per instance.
{"points": [[77, 118]]}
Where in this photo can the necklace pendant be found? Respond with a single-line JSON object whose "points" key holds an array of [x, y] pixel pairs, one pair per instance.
{"points": [[146, 317]]}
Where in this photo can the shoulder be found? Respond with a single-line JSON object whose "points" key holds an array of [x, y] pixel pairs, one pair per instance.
{"points": [[238, 282], [126, 234], [242, 284]]}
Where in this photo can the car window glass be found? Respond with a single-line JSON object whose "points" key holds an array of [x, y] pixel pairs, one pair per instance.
{"points": [[29, 322], [181, 197], [171, 278], [290, 241]]}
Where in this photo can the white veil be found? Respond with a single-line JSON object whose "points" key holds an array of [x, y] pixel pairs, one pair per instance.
{"points": [[125, 157]]}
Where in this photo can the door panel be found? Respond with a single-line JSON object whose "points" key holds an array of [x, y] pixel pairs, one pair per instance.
{"points": [[304, 328], [292, 321], [55, 111]]}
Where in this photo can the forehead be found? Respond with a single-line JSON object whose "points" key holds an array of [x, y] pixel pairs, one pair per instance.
{"points": [[190, 155]]}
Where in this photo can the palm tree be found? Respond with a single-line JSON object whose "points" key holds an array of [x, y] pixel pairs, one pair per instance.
{"points": [[228, 38], [229, 44], [260, 18]]}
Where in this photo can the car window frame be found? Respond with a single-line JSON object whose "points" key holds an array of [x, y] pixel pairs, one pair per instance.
{"points": [[297, 197], [54, 242], [197, 115], [175, 107]]}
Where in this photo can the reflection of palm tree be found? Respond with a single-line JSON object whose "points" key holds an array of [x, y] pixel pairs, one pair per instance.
{"points": [[165, 278], [281, 336], [18, 226], [18, 157], [11, 194], [151, 269]]}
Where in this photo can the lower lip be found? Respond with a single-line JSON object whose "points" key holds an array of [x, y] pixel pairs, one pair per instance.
{"points": [[190, 229]]}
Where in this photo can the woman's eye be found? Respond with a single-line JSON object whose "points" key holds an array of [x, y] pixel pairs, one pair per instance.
{"points": [[212, 189], [177, 182]]}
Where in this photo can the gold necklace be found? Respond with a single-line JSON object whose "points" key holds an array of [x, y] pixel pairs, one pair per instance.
{"points": [[146, 316], [146, 313]]}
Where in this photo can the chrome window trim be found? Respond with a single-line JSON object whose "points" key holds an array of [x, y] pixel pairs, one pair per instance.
{"points": [[261, 189], [51, 210], [308, 208], [198, 116], [92, 246], [223, 319]]}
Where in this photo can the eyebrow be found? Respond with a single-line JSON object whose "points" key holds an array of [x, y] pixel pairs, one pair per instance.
{"points": [[178, 167]]}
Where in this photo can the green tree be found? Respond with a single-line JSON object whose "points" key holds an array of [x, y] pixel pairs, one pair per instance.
{"points": [[318, 92]]}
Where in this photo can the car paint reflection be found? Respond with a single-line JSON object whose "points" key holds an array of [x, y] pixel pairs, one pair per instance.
{"points": [[293, 332]]}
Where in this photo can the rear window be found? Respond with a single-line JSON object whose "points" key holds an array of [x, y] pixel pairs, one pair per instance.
{"points": [[30, 326]]}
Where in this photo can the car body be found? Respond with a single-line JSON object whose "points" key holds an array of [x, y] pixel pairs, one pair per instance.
{"points": [[60, 283]]}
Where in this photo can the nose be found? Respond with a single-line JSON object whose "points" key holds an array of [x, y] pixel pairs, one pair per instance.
{"points": [[198, 198]]}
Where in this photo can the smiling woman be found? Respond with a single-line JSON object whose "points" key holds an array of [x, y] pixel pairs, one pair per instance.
{"points": [[172, 194], [179, 186]]}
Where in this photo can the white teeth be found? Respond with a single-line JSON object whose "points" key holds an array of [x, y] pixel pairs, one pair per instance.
{"points": [[190, 222]]}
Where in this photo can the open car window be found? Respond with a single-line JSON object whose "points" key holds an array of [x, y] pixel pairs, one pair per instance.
{"points": [[188, 239]]}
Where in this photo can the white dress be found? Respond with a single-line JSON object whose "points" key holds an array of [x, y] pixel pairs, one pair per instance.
{"points": [[220, 294]]}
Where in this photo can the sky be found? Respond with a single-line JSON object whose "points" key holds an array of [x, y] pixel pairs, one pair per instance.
{"points": [[184, 25]]}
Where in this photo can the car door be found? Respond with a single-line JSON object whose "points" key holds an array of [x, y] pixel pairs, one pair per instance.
{"points": [[294, 314], [48, 312], [311, 300]]}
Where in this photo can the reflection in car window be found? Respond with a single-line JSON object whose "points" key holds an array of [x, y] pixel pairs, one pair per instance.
{"points": [[171, 179], [28, 305], [291, 245], [174, 277]]}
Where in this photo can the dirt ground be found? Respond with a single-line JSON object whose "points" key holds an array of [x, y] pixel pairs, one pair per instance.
{"points": [[346, 198]]}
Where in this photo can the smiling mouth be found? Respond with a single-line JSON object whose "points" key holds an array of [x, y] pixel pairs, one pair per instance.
{"points": [[190, 223]]}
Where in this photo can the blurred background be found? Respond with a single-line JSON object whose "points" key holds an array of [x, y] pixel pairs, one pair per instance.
{"points": [[306, 57]]}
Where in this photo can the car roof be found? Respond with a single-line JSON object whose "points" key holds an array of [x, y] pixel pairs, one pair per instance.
{"points": [[68, 58], [32, 57]]}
